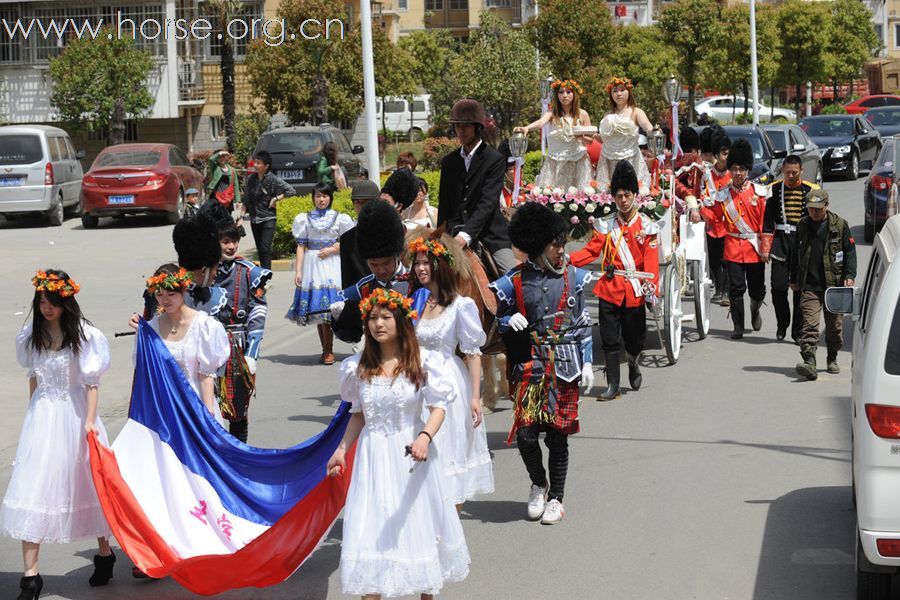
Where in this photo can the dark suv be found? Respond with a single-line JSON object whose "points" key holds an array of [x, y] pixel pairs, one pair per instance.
{"points": [[296, 151], [766, 159]]}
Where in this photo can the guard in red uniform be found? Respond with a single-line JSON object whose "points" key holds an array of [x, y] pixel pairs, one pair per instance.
{"points": [[742, 206], [629, 278], [714, 145], [689, 173]]}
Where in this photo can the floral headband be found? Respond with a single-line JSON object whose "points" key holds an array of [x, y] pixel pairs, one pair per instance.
{"points": [[51, 282], [569, 84], [617, 81], [432, 247], [177, 281], [389, 298]]}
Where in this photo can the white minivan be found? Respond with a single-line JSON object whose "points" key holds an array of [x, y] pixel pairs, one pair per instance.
{"points": [[40, 171], [399, 115], [875, 411]]}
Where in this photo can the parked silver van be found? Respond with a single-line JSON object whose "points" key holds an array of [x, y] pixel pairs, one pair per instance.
{"points": [[40, 171]]}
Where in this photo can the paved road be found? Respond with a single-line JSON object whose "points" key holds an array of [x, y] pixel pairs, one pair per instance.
{"points": [[725, 477]]}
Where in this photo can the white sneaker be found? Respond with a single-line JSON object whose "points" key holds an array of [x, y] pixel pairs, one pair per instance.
{"points": [[537, 499], [554, 513]]}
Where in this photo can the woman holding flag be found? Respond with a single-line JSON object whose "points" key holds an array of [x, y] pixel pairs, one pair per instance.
{"points": [[401, 536]]}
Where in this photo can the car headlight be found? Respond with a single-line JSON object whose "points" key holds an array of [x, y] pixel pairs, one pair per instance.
{"points": [[840, 150]]}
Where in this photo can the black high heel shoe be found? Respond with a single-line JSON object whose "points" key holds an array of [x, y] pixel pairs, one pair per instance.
{"points": [[103, 570], [31, 587]]}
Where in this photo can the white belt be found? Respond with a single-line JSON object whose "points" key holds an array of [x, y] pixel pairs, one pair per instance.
{"points": [[745, 236], [785, 227], [633, 274]]}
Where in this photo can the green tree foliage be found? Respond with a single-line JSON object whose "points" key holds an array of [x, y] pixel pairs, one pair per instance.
{"points": [[804, 29], [644, 57], [496, 67], [689, 26], [577, 37], [98, 83], [853, 40], [727, 64], [432, 51]]}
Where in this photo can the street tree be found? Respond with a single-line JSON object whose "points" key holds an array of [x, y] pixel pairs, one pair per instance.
{"points": [[394, 69], [99, 83], [804, 29], [577, 38], [853, 41], [432, 51], [689, 26], [222, 12], [644, 57], [727, 64]]}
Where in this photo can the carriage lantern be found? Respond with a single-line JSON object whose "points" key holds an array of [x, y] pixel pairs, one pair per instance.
{"points": [[672, 90], [656, 142], [518, 144]]}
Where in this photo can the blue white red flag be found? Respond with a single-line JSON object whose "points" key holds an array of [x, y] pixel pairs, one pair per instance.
{"points": [[185, 499]]}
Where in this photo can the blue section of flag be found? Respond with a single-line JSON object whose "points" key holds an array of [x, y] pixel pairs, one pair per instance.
{"points": [[256, 484]]}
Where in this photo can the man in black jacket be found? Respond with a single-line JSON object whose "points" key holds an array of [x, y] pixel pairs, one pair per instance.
{"points": [[264, 190], [471, 182]]}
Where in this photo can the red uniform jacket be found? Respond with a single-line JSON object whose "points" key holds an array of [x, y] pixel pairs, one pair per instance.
{"points": [[715, 226], [750, 204], [640, 237], [689, 176]]}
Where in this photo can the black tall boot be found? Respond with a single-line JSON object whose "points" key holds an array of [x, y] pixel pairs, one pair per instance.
{"points": [[634, 372], [782, 313], [737, 317], [238, 429], [103, 570], [724, 286], [31, 587], [755, 317], [612, 378]]}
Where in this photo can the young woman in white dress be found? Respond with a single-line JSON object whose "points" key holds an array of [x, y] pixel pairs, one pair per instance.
{"points": [[51, 496], [317, 268], [197, 341], [420, 213], [567, 163], [619, 132], [450, 321], [401, 535]]}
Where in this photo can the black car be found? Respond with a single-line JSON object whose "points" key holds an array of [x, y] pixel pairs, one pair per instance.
{"points": [[877, 190], [296, 151], [766, 158], [848, 142], [886, 119], [792, 140]]}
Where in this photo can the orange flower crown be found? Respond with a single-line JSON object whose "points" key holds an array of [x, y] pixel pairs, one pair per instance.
{"points": [[388, 298], [51, 282], [432, 247], [617, 81], [170, 281], [569, 84]]}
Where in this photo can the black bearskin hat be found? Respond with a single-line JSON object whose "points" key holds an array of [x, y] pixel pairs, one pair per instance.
{"points": [[623, 178], [533, 226], [379, 231], [689, 140], [706, 140], [740, 154], [218, 213], [402, 186], [196, 241], [504, 150], [719, 141]]}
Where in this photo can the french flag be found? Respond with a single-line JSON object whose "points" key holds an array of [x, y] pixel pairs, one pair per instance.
{"points": [[186, 500]]}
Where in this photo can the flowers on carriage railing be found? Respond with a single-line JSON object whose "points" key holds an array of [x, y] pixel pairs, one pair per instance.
{"points": [[579, 206]]}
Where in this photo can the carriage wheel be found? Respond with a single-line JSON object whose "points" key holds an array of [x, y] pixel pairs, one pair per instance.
{"points": [[673, 314], [700, 284]]}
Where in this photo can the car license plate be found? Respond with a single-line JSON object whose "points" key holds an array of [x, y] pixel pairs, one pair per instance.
{"points": [[297, 175], [11, 181], [121, 200]]}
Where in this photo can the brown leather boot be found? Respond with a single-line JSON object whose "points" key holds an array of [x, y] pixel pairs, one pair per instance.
{"points": [[327, 345]]}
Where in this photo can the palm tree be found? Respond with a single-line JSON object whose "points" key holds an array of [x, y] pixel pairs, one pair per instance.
{"points": [[224, 11]]}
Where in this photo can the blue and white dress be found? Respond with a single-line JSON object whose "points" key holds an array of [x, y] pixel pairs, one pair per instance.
{"points": [[321, 282]]}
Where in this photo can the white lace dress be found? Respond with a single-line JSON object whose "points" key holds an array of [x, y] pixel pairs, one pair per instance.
{"points": [[51, 496], [463, 448], [620, 142], [400, 536], [567, 162], [201, 352]]}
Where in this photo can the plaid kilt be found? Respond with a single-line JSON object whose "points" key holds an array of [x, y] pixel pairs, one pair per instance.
{"points": [[564, 420]]}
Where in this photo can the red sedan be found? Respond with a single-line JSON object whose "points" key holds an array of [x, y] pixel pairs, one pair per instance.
{"points": [[131, 179], [861, 105]]}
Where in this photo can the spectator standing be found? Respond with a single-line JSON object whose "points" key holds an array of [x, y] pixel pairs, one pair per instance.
{"points": [[223, 184], [264, 190]]}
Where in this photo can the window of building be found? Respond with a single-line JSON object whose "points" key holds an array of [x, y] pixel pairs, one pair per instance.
{"points": [[897, 35], [459, 4], [434, 5], [240, 31], [63, 24], [144, 23], [402, 4], [10, 47], [217, 128], [498, 4]]}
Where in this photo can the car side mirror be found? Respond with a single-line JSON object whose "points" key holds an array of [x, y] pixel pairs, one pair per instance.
{"points": [[799, 148], [358, 150], [779, 153], [843, 300], [79, 154]]}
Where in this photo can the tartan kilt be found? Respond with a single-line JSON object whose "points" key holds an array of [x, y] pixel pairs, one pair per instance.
{"points": [[564, 420], [235, 388]]}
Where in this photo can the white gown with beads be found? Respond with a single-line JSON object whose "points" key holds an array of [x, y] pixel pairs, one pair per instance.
{"points": [[463, 448], [620, 136], [401, 536], [567, 163], [51, 496]]}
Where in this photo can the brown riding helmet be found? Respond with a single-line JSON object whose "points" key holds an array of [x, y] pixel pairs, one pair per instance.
{"points": [[467, 110]]}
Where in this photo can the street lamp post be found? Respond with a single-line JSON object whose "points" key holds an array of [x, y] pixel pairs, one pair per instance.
{"points": [[546, 90], [373, 160], [754, 83]]}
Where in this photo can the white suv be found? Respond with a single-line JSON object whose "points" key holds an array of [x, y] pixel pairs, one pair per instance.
{"points": [[725, 109], [875, 412]]}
